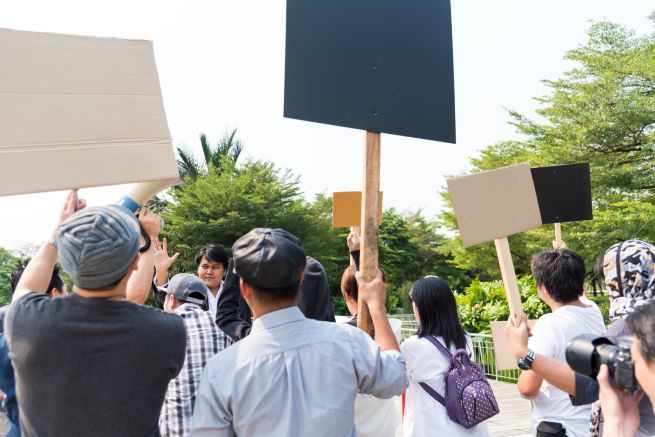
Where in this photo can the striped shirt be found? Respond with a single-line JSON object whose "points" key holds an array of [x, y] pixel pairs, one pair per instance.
{"points": [[204, 340]]}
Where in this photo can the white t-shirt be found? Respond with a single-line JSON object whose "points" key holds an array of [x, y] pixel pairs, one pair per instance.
{"points": [[375, 417], [550, 335], [424, 416]]}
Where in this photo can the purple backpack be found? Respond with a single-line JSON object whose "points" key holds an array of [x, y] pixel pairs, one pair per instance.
{"points": [[469, 398]]}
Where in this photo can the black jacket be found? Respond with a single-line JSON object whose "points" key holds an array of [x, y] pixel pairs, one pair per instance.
{"points": [[235, 319]]}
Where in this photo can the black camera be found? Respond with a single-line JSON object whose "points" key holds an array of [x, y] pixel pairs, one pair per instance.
{"points": [[586, 352]]}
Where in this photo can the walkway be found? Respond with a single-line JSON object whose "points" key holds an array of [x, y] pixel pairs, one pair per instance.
{"points": [[515, 417]]}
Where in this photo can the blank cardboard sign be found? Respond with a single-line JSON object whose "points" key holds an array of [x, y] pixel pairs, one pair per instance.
{"points": [[79, 112], [504, 358], [347, 209], [378, 65], [494, 204], [563, 192]]}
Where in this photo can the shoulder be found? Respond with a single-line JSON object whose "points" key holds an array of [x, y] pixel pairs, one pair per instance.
{"points": [[31, 303], [410, 343], [545, 322], [160, 321], [617, 329], [29, 299], [416, 345]]}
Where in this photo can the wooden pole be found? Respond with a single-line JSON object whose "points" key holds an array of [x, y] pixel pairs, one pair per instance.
{"points": [[558, 235], [368, 258], [509, 278]]}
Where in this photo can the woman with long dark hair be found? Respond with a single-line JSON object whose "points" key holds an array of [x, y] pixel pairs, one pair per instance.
{"points": [[435, 310]]}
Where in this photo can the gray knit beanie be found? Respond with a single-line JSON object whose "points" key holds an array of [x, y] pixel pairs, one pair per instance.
{"points": [[97, 245]]}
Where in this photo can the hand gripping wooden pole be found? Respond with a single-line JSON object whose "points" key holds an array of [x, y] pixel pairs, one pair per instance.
{"points": [[358, 231], [370, 223], [509, 278]]}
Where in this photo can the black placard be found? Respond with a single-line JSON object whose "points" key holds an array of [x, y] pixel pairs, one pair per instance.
{"points": [[377, 65], [563, 192]]}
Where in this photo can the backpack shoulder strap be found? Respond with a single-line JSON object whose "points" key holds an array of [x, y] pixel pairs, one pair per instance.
{"points": [[439, 346], [432, 392]]}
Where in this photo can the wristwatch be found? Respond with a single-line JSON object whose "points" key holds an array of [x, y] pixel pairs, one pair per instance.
{"points": [[51, 241], [526, 363]]}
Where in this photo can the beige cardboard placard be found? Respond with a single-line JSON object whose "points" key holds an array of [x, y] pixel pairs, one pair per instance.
{"points": [[347, 209], [494, 204], [78, 112], [504, 358]]}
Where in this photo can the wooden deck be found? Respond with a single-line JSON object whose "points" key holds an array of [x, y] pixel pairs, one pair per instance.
{"points": [[515, 417]]}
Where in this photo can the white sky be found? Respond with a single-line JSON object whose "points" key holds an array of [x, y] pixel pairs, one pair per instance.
{"points": [[221, 64]]}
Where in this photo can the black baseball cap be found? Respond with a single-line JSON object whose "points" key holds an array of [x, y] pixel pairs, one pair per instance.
{"points": [[269, 258], [188, 288]]}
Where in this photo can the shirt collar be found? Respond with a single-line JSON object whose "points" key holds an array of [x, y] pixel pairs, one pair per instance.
{"points": [[277, 318], [210, 295]]}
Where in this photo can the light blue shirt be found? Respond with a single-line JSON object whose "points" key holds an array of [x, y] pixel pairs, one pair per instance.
{"points": [[293, 377]]}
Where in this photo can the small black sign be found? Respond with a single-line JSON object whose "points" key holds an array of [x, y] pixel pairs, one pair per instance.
{"points": [[563, 192], [377, 65]]}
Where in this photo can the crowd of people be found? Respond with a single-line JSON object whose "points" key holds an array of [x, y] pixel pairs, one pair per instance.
{"points": [[249, 345]]}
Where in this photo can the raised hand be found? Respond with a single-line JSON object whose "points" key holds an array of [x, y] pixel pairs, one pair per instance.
{"points": [[163, 261], [353, 241], [70, 206], [150, 222]]}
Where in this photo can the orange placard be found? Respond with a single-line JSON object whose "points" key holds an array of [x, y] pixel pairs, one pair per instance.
{"points": [[347, 209]]}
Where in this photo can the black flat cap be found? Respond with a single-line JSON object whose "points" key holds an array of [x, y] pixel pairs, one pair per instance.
{"points": [[269, 258]]}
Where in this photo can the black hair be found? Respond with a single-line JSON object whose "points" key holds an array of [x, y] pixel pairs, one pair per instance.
{"points": [[273, 295], [214, 253], [596, 276], [642, 324], [437, 311], [349, 283], [110, 286], [55, 281], [561, 272]]}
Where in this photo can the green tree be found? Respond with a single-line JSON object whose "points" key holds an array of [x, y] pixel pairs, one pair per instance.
{"points": [[213, 156], [221, 207], [602, 112], [7, 263]]}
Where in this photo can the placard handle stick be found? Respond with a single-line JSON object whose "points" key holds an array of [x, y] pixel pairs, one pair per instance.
{"points": [[370, 223], [509, 278], [558, 235]]}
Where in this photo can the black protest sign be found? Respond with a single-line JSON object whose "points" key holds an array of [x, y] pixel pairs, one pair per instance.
{"points": [[563, 192], [376, 65]]}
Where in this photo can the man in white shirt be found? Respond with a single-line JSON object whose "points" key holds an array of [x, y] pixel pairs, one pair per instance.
{"points": [[559, 275], [293, 376], [212, 261]]}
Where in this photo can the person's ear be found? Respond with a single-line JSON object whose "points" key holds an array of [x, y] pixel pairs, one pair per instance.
{"points": [[134, 265], [169, 303], [345, 296], [246, 290]]}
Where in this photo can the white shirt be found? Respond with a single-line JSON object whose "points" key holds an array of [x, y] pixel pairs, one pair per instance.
{"points": [[212, 301], [293, 377], [376, 417], [550, 335], [424, 416]]}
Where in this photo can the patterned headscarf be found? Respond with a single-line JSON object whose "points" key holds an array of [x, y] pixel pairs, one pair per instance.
{"points": [[634, 262]]}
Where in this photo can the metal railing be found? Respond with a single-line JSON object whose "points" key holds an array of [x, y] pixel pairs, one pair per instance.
{"points": [[482, 346]]}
